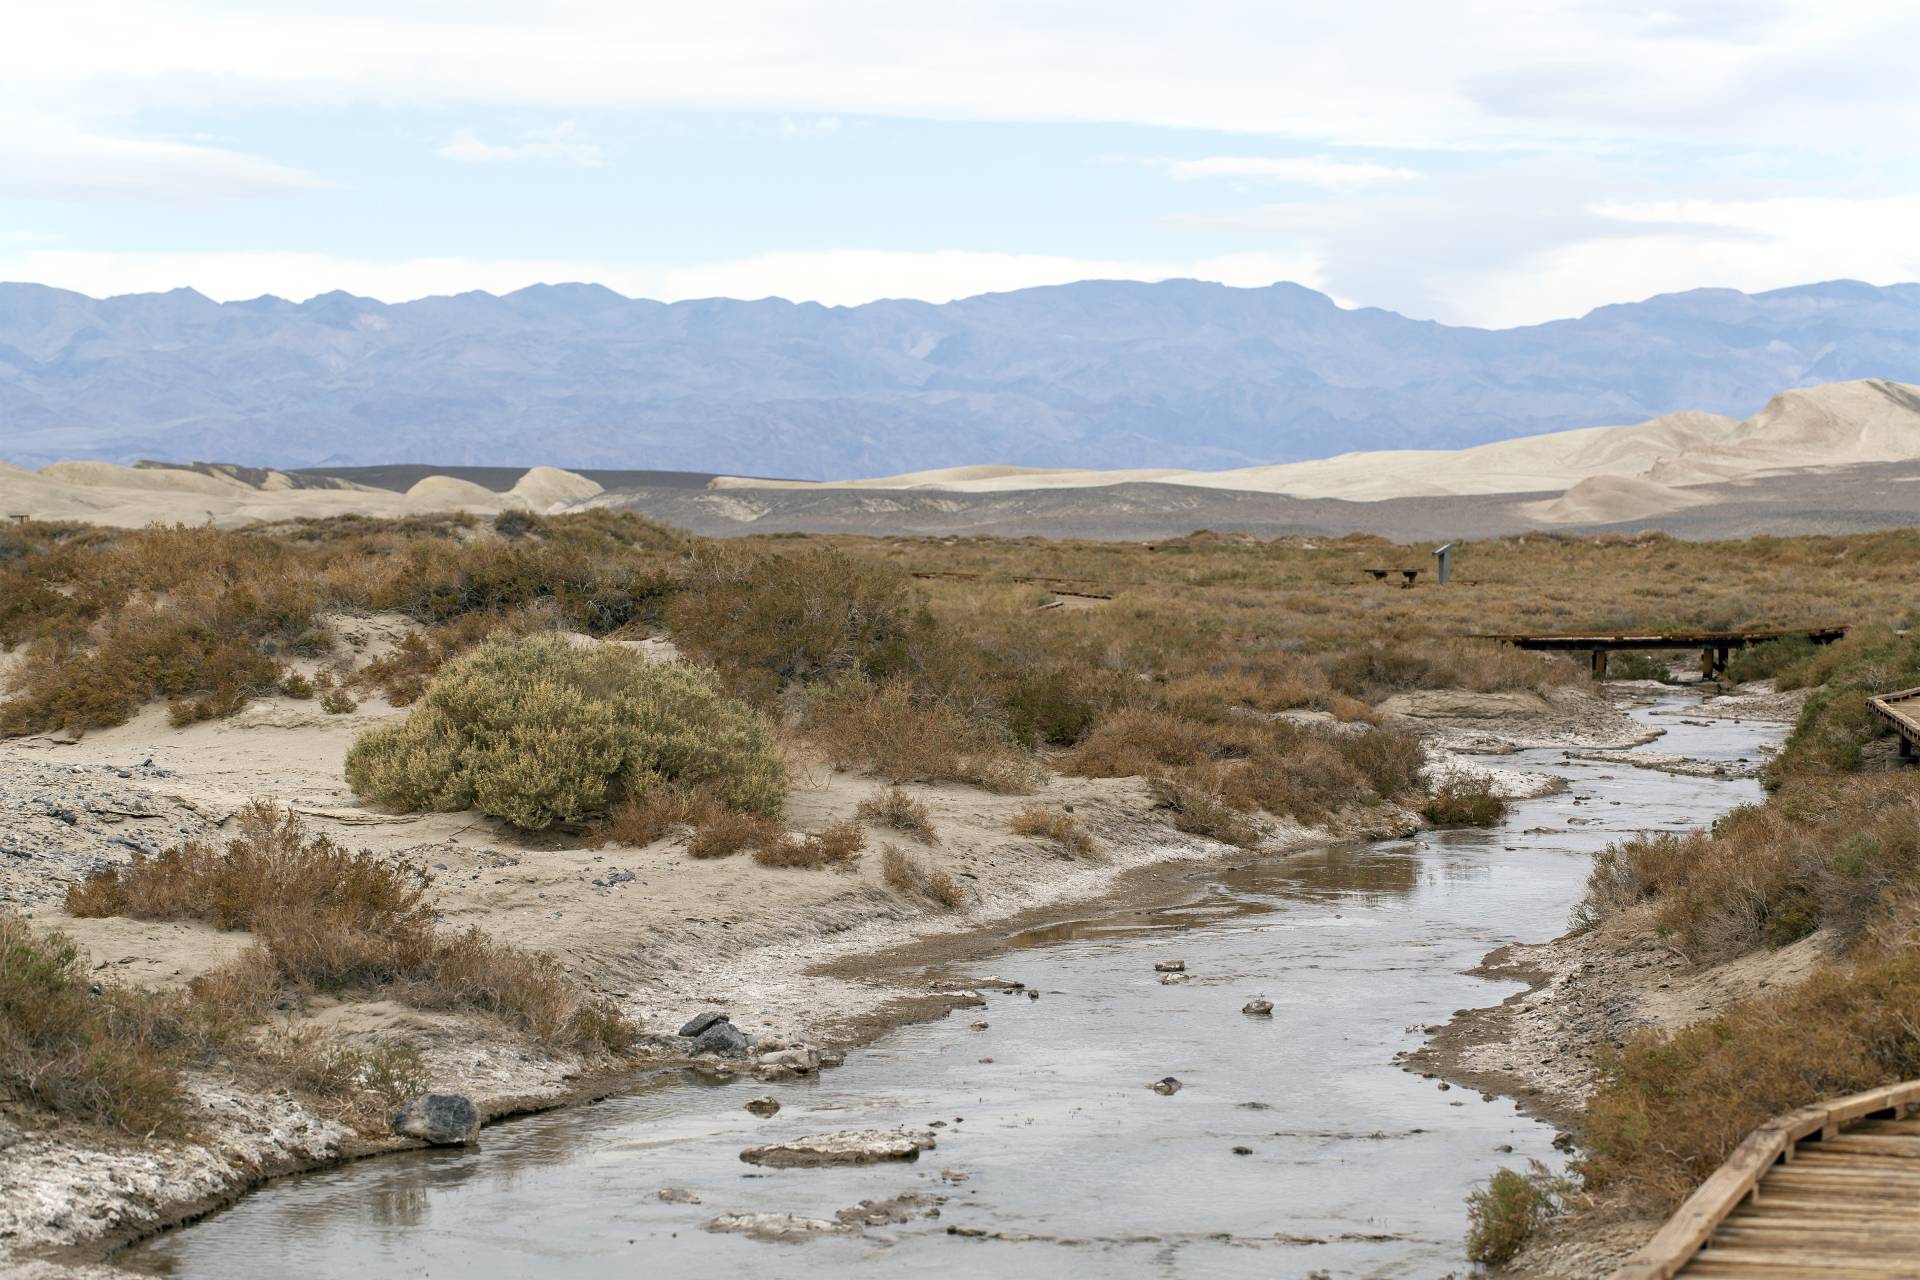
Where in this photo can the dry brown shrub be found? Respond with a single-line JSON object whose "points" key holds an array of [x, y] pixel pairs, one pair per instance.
{"points": [[720, 832], [886, 731], [1845, 858], [100, 1054], [332, 921], [1671, 1106], [1062, 829], [1199, 811], [837, 846], [910, 875], [896, 809]]}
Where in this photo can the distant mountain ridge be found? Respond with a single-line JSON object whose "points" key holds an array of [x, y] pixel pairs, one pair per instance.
{"points": [[1093, 374]]}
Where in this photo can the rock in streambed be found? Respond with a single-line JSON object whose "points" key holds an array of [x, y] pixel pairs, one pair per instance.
{"points": [[846, 1146]]}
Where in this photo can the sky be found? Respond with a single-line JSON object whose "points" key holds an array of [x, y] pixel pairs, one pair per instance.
{"points": [[1493, 163]]}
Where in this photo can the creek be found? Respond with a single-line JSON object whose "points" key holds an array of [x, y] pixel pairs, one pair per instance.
{"points": [[1054, 1158]]}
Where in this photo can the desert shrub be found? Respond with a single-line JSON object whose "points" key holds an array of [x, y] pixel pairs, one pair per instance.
{"points": [[1836, 724], [535, 730], [337, 702], [887, 731], [1061, 829], [1052, 707], [1464, 802], [361, 1086], [766, 619], [295, 685], [1671, 1106], [720, 832], [909, 875], [1198, 811], [1389, 759], [1636, 664], [101, 1055], [1761, 661], [896, 809], [1503, 1214], [836, 846], [1142, 742], [1846, 859], [333, 921]]}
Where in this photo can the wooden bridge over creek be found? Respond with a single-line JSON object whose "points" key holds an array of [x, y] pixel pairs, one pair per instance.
{"points": [[1831, 1190], [1714, 646]]}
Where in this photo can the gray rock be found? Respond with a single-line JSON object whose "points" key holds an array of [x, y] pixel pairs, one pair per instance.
{"points": [[1170, 966], [764, 1107], [724, 1040], [1165, 1086], [10, 1135], [848, 1146], [1258, 1008], [441, 1119], [702, 1021], [778, 1228]]}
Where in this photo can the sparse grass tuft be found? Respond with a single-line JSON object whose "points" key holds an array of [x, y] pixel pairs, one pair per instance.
{"points": [[1061, 829], [719, 832], [896, 809], [910, 875], [836, 846]]}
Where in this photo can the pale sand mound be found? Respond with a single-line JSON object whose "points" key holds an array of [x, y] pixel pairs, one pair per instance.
{"points": [[1609, 500], [1839, 424], [113, 475], [442, 493], [543, 488]]}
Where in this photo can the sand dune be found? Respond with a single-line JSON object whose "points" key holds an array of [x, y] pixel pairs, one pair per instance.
{"points": [[1839, 424], [129, 497]]}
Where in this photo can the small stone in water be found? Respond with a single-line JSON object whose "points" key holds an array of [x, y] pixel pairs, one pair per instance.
{"points": [[1165, 1086], [1170, 966], [1172, 979], [1258, 1008], [1243, 1151], [764, 1106]]}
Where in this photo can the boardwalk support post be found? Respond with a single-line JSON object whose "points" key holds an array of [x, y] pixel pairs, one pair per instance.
{"points": [[1599, 664]]}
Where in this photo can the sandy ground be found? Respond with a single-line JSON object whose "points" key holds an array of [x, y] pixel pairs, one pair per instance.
{"points": [[662, 934]]}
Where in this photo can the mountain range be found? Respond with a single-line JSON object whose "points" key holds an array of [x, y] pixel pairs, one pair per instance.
{"points": [[1094, 374]]}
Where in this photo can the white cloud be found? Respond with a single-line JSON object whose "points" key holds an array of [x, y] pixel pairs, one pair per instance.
{"points": [[556, 144], [50, 158], [834, 277], [1405, 71], [1309, 171]]}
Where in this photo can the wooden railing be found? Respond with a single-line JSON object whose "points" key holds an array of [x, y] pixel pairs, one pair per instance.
{"points": [[1675, 1245], [1901, 711]]}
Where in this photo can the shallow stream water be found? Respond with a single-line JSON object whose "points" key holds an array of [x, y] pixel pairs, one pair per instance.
{"points": [[1054, 1158]]}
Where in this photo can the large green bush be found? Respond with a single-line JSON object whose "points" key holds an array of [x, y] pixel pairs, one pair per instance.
{"points": [[535, 730]]}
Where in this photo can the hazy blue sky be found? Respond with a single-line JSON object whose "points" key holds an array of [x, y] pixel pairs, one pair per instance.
{"points": [[1490, 163]]}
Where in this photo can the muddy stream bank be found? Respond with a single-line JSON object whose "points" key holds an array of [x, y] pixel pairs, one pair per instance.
{"points": [[1297, 1142]]}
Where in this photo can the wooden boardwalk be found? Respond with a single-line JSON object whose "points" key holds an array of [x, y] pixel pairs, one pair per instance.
{"points": [[1714, 646], [1901, 713], [1831, 1190]]}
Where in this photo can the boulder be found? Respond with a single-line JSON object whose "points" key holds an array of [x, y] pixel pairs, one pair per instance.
{"points": [[702, 1021], [439, 1119], [724, 1040], [1170, 966], [847, 1146], [763, 1106]]}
